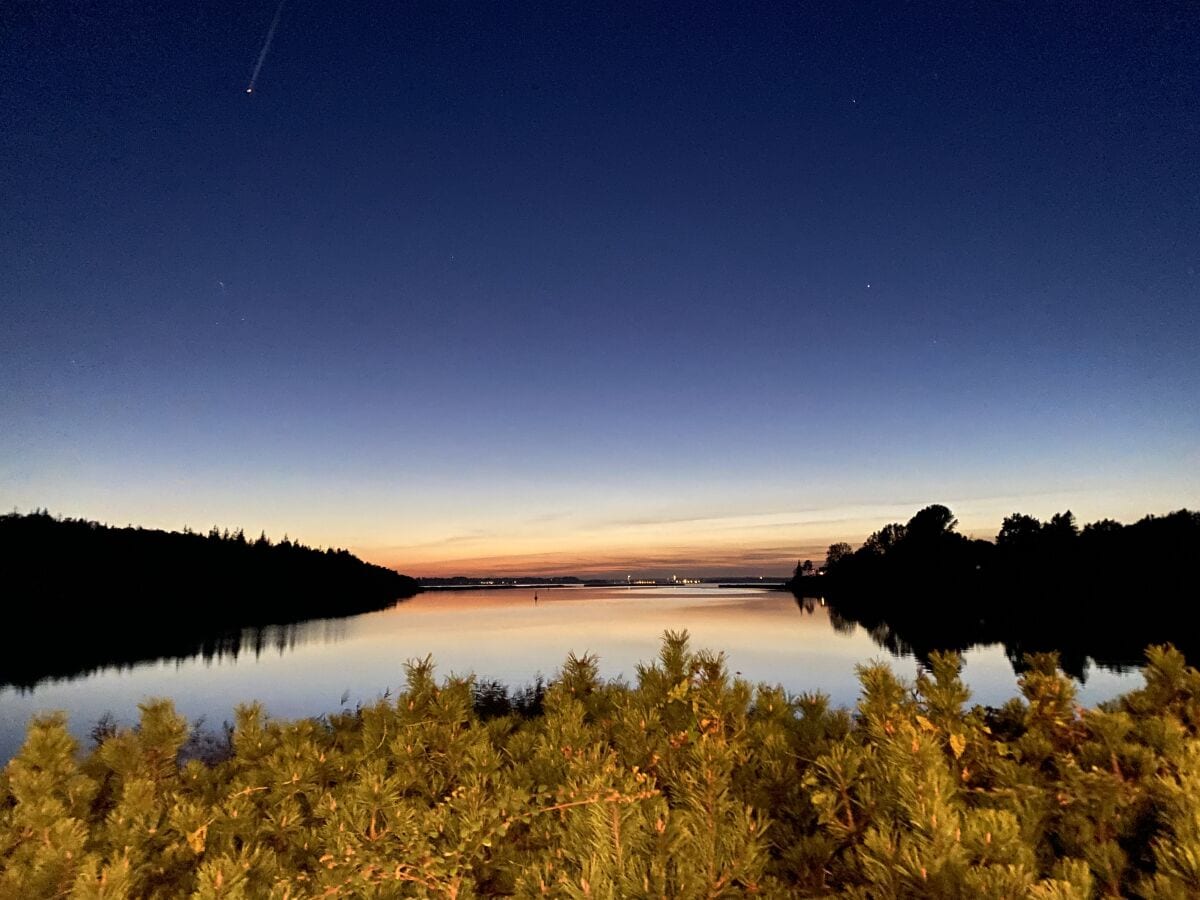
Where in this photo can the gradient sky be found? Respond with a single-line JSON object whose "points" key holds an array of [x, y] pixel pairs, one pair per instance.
{"points": [[473, 287]]}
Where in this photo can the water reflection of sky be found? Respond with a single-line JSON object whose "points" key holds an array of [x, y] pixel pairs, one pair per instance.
{"points": [[502, 634]]}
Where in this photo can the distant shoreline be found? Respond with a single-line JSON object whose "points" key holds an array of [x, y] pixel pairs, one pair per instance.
{"points": [[444, 588], [431, 586]]}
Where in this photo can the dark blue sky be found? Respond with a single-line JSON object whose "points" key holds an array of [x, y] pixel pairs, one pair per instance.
{"points": [[597, 284]]}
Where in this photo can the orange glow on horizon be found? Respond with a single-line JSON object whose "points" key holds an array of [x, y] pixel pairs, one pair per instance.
{"points": [[612, 536], [711, 560], [767, 543]]}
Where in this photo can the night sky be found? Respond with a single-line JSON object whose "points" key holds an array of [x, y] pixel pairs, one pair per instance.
{"points": [[494, 286]]}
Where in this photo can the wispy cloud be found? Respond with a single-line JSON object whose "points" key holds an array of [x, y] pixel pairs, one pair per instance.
{"points": [[447, 541]]}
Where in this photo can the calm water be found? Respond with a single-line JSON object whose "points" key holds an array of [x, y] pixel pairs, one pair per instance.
{"points": [[304, 670]]}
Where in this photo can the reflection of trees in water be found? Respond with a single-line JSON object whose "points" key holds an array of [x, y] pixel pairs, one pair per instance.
{"points": [[76, 655], [840, 623], [266, 638], [883, 635], [918, 625]]}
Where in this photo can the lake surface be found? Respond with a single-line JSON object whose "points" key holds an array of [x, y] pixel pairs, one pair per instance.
{"points": [[306, 669]]}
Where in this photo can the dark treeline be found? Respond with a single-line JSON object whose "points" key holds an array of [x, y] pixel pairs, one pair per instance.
{"points": [[95, 595], [1104, 591]]}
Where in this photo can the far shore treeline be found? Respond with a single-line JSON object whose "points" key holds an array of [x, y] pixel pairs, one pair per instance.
{"points": [[98, 594], [1104, 591]]}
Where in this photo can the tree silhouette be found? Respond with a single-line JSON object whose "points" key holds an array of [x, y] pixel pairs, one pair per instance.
{"points": [[930, 523], [836, 554], [922, 586], [118, 595], [886, 539], [1019, 530]]}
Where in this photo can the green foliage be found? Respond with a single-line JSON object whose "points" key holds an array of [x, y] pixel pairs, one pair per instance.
{"points": [[688, 783]]}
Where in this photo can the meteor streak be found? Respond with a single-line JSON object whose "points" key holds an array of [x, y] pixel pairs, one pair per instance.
{"points": [[266, 47]]}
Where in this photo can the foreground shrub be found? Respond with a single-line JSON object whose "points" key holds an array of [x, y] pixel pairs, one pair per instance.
{"points": [[685, 784]]}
